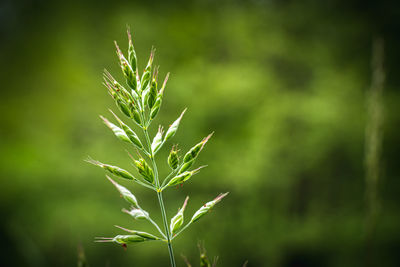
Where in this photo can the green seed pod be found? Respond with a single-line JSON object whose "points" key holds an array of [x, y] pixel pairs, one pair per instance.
{"points": [[157, 141], [131, 52], [135, 95], [125, 193], [177, 220], [155, 109], [192, 154], [183, 177], [118, 171], [116, 89], [179, 179], [122, 239], [174, 127], [127, 70], [113, 169], [206, 208], [128, 131], [185, 166], [147, 72], [119, 133], [123, 107], [161, 93], [145, 235], [194, 151], [173, 158], [145, 80], [145, 170], [157, 104], [130, 76], [136, 117], [123, 93], [145, 96], [137, 214], [150, 92], [109, 81], [128, 239], [152, 95]]}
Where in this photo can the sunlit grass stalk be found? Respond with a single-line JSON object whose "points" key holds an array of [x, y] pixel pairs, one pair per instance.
{"points": [[141, 102], [373, 142], [161, 201]]}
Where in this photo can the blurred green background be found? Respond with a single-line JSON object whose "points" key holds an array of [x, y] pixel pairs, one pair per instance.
{"points": [[282, 83]]}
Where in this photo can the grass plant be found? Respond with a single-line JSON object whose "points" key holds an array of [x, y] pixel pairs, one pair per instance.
{"points": [[140, 101]]}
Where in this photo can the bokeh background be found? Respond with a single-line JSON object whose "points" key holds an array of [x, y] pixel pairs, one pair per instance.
{"points": [[284, 85]]}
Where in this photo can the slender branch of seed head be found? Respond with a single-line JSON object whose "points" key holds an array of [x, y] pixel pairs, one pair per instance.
{"points": [[181, 230], [165, 181], [145, 185], [147, 217], [156, 225]]}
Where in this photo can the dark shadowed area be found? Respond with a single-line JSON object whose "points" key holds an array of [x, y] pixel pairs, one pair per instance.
{"points": [[306, 130]]}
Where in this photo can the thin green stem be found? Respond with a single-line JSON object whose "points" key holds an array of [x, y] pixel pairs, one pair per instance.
{"points": [[145, 152], [160, 199], [166, 179], [170, 250], [145, 185]]}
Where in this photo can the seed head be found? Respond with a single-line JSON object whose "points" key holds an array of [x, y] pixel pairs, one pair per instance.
{"points": [[183, 177], [131, 52], [157, 104], [137, 214], [147, 71], [119, 133], [122, 239], [125, 193], [113, 169], [152, 96], [123, 106], [173, 158], [139, 233], [119, 90], [194, 151], [128, 132], [207, 207], [174, 127], [136, 117], [144, 169], [177, 220], [127, 70], [192, 154], [157, 141]]}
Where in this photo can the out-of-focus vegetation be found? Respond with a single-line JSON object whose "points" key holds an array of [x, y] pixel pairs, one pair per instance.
{"points": [[282, 83]]}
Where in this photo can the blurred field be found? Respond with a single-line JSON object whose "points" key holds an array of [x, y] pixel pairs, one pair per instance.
{"points": [[282, 84]]}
